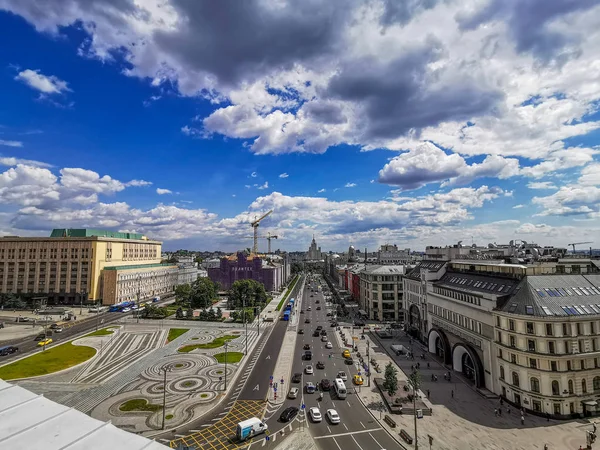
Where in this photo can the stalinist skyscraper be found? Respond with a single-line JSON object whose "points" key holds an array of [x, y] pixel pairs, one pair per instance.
{"points": [[314, 252]]}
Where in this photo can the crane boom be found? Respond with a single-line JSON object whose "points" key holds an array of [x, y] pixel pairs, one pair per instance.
{"points": [[255, 226], [264, 216], [579, 243]]}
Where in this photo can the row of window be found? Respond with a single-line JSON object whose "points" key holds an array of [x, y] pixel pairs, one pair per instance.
{"points": [[488, 285], [534, 384], [458, 295], [550, 328], [554, 366], [564, 292], [44, 253], [551, 347], [459, 319]]}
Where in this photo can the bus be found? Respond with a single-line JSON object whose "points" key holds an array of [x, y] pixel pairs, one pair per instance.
{"points": [[286, 314], [340, 388], [121, 306]]}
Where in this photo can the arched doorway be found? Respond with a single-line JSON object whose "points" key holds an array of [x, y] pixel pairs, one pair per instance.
{"points": [[466, 361], [414, 320], [439, 345]]}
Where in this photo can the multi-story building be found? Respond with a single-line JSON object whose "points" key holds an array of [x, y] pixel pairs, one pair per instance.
{"points": [[68, 266], [389, 254], [381, 293], [314, 252], [187, 273], [137, 282], [352, 282]]}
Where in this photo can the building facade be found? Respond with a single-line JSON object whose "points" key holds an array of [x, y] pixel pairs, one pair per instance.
{"points": [[138, 282], [381, 293], [67, 267], [314, 252], [187, 273], [390, 255], [241, 267]]}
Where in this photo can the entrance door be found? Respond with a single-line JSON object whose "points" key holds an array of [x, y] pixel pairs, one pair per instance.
{"points": [[517, 399]]}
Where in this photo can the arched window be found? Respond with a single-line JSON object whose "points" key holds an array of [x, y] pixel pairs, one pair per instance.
{"points": [[583, 386], [571, 390], [501, 372], [535, 384], [555, 388], [596, 383], [515, 379]]}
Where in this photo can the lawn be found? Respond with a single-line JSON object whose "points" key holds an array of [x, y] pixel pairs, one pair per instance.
{"points": [[287, 294], [139, 404], [51, 360], [217, 342], [102, 332], [232, 357], [174, 333]]}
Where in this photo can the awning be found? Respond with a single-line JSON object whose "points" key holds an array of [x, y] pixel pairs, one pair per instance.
{"points": [[590, 403]]}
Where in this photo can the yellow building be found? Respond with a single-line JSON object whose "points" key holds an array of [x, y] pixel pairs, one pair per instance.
{"points": [[73, 265]]}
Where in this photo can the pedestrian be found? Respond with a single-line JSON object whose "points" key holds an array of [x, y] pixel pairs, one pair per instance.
{"points": [[432, 377], [452, 393], [496, 412], [547, 417], [501, 401], [522, 419], [418, 365], [428, 365], [545, 446], [427, 393]]}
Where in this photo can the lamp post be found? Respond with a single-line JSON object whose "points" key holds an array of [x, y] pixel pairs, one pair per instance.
{"points": [[245, 322], [414, 381], [164, 369], [137, 310], [81, 302], [226, 346]]}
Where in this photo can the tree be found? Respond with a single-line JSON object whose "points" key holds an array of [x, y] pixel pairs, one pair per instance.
{"points": [[183, 292], [179, 313], [246, 292], [203, 293], [390, 384], [296, 268], [219, 313]]}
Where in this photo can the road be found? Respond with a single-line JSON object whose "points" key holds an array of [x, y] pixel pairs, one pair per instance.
{"points": [[358, 430]]}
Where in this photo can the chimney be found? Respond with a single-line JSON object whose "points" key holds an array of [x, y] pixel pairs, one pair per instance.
{"points": [[365, 255]]}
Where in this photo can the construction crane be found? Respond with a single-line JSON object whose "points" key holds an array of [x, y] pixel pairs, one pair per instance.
{"points": [[579, 243], [255, 227], [268, 238]]}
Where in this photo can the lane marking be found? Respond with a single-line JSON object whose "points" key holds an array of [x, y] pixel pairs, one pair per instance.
{"points": [[348, 403], [378, 444], [256, 388], [336, 443], [328, 429], [348, 434], [363, 425], [345, 427], [356, 442]]}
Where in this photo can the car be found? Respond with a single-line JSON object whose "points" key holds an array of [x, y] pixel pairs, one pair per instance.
{"points": [[317, 302], [315, 333], [315, 414], [306, 320], [301, 331], [309, 309], [333, 416], [346, 354], [334, 324], [324, 338], [310, 387], [357, 380], [349, 361], [307, 355], [40, 337], [309, 370], [297, 377], [8, 350], [22, 319], [293, 392], [301, 311], [311, 295], [320, 365], [126, 310], [288, 414], [54, 326], [325, 384], [318, 308], [328, 314], [319, 328], [44, 342], [358, 323], [306, 347], [323, 332], [329, 345], [58, 329], [342, 375]]}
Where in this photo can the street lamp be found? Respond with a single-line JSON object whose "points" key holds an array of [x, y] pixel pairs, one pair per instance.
{"points": [[226, 346], [165, 369], [137, 310]]}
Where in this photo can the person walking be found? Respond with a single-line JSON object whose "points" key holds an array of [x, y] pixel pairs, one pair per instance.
{"points": [[496, 412], [545, 446], [500, 412], [452, 393], [522, 419], [427, 393]]}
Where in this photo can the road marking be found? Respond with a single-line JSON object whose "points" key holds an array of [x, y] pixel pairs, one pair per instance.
{"points": [[356, 442], [348, 403], [197, 431], [328, 429], [363, 425], [180, 435], [268, 357], [348, 434], [256, 388], [345, 427], [378, 444], [336, 443]]}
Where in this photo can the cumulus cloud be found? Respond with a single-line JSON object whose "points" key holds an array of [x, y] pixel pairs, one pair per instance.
{"points": [[283, 175], [541, 185], [254, 174], [161, 191], [42, 83], [518, 206], [590, 175], [12, 161], [321, 190], [571, 200], [138, 183]]}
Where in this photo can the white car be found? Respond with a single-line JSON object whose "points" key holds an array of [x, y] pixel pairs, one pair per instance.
{"points": [[126, 310], [309, 309], [329, 345], [309, 370], [315, 414], [341, 374], [293, 392], [333, 416]]}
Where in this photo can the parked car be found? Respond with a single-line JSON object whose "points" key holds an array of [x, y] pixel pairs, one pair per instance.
{"points": [[333, 416], [288, 414], [297, 377], [320, 365], [315, 414], [301, 331], [325, 384], [293, 392]]}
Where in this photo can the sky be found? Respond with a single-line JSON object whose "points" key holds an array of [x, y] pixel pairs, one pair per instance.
{"points": [[361, 122]]}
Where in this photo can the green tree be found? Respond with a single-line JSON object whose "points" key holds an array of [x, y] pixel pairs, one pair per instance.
{"points": [[203, 294], [219, 313], [296, 268], [183, 292], [198, 259], [250, 293], [390, 383]]}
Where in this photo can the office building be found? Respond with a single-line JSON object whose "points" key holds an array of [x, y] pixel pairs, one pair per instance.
{"points": [[381, 293], [390, 255]]}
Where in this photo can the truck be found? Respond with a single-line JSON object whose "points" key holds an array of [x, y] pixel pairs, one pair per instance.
{"points": [[250, 428]]}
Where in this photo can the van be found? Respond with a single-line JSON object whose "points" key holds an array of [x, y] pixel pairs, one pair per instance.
{"points": [[340, 388], [250, 428]]}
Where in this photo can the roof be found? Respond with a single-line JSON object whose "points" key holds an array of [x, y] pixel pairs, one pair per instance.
{"points": [[557, 295], [481, 284], [142, 266], [88, 232], [384, 270], [31, 421], [431, 266]]}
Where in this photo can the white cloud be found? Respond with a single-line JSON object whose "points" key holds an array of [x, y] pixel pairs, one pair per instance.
{"points": [[254, 174], [518, 206], [350, 185], [264, 186], [138, 183], [590, 175], [11, 143], [541, 185], [571, 200], [283, 175], [42, 83], [12, 161], [161, 191], [321, 190]]}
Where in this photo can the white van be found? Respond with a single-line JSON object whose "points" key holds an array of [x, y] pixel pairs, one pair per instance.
{"points": [[250, 428], [340, 388]]}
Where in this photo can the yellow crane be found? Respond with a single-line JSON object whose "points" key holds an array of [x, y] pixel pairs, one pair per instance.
{"points": [[255, 227]]}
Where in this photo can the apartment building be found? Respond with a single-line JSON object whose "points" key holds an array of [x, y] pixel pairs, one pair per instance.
{"points": [[381, 293]]}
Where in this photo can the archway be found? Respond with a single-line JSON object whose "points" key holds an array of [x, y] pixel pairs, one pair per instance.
{"points": [[466, 361], [439, 345], [414, 320]]}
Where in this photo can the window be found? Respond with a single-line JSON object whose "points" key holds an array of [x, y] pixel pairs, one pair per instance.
{"points": [[548, 329], [515, 379], [551, 348], [512, 341], [570, 386], [499, 337], [568, 365], [579, 329], [501, 373], [592, 328], [533, 363], [500, 353], [529, 310], [498, 321], [565, 329], [531, 345], [513, 358], [553, 366], [535, 384], [511, 325], [583, 386], [555, 388], [596, 384], [529, 327]]}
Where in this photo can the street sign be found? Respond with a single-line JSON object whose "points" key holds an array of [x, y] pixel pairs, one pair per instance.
{"points": [[282, 381], [271, 377], [267, 438], [303, 406]]}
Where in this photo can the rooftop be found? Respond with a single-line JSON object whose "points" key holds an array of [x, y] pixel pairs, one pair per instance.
{"points": [[384, 270], [89, 232]]}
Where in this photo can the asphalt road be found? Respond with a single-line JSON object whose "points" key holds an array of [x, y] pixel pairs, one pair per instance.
{"points": [[357, 430]]}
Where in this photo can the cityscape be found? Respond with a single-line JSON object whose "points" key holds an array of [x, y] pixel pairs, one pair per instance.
{"points": [[362, 225]]}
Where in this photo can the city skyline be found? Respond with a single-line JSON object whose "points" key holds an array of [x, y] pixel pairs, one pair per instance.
{"points": [[482, 126]]}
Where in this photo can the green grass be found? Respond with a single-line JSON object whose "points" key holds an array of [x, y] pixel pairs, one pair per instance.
{"points": [[232, 357], [169, 416], [102, 332], [51, 360], [139, 404], [174, 333], [217, 342], [287, 294]]}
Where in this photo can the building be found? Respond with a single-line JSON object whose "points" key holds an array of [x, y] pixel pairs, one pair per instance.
{"points": [[352, 282], [138, 282], [390, 255], [68, 266], [273, 273], [516, 252], [314, 252], [381, 293]]}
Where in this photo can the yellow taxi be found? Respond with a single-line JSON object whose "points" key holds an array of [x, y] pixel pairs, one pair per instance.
{"points": [[346, 354], [44, 342], [358, 380]]}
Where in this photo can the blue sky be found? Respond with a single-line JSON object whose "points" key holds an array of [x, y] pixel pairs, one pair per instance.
{"points": [[353, 127]]}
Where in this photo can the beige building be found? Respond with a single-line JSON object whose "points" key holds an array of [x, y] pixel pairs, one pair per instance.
{"points": [[69, 266], [381, 293]]}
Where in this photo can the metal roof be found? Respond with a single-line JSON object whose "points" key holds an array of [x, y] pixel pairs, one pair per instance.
{"points": [[384, 270], [482, 284], [430, 266], [31, 421]]}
